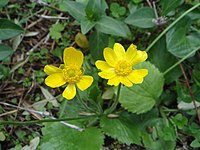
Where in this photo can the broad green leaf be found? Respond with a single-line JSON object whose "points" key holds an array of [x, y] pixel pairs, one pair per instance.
{"points": [[178, 43], [60, 137], [75, 9], [86, 25], [142, 97], [5, 51], [123, 128], [109, 25], [93, 9], [97, 42], [162, 59], [169, 5], [3, 3], [55, 31], [8, 29], [142, 18]]}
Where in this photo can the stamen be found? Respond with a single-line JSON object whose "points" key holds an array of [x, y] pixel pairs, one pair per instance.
{"points": [[123, 68], [72, 74]]}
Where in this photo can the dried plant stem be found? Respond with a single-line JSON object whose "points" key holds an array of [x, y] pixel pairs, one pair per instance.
{"points": [[190, 92]]}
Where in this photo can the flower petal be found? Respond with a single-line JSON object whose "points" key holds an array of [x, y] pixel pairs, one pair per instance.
{"points": [[73, 57], [119, 51], [107, 74], [102, 65], [126, 81], [110, 56], [131, 52], [114, 81], [69, 92], [50, 69], [55, 80], [140, 57], [137, 76], [85, 82]]}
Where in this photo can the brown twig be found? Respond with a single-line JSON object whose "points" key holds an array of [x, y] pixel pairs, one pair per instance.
{"points": [[190, 92]]}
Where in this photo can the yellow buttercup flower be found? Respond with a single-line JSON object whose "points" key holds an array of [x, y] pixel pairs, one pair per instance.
{"points": [[118, 65], [69, 73]]}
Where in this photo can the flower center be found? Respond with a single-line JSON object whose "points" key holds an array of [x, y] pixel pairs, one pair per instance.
{"points": [[123, 68], [72, 74]]}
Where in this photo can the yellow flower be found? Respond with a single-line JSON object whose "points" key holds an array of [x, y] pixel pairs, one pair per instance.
{"points": [[70, 72], [118, 67]]}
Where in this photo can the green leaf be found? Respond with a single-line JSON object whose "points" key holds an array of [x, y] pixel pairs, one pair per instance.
{"points": [[5, 51], [142, 18], [178, 43], [109, 25], [60, 137], [75, 9], [158, 51], [4, 73], [93, 9], [195, 143], [87, 25], [55, 31], [8, 29], [169, 5], [3, 3], [97, 42], [123, 128], [142, 97]]}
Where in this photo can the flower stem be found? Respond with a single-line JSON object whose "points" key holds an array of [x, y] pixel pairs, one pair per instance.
{"points": [[82, 102], [181, 60], [171, 25], [42, 121], [114, 105]]}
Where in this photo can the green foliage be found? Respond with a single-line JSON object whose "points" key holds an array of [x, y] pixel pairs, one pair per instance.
{"points": [[117, 10], [98, 41], [169, 5], [109, 25], [4, 73], [70, 138], [55, 31], [141, 98], [142, 18], [5, 51], [8, 29], [75, 9], [3, 3], [180, 47]]}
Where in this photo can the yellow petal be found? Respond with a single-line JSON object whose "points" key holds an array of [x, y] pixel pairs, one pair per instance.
{"points": [[73, 57], [55, 80], [140, 57], [102, 65], [114, 81], [125, 81], [110, 56], [119, 51], [85, 82], [137, 76], [131, 52], [50, 69], [69, 92], [107, 74]]}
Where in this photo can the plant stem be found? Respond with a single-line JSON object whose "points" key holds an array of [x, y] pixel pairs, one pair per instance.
{"points": [[181, 60], [171, 25], [190, 92], [82, 102], [113, 106], [42, 121]]}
